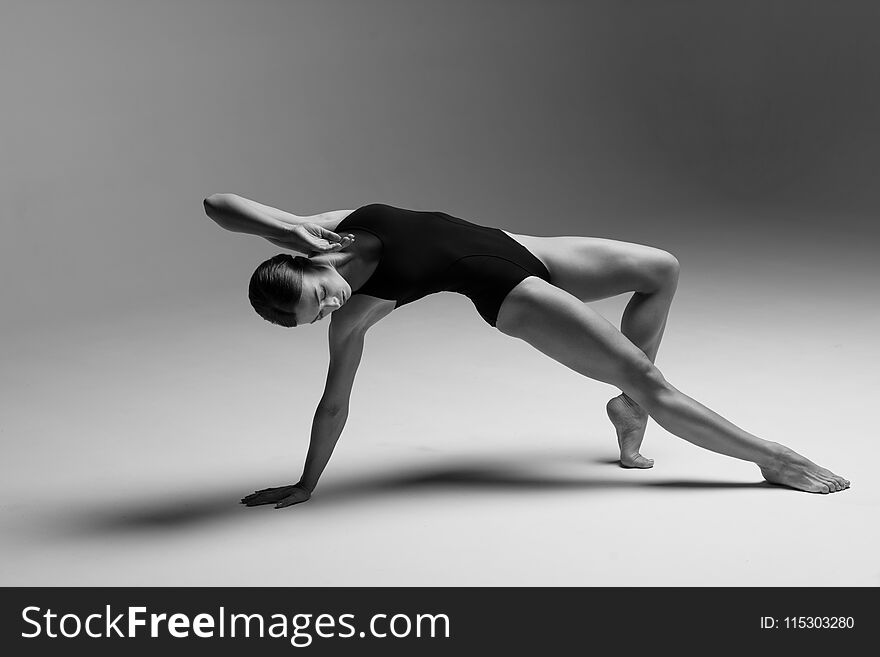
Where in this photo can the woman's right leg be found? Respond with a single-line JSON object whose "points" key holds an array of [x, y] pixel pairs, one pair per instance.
{"points": [[559, 325], [593, 268]]}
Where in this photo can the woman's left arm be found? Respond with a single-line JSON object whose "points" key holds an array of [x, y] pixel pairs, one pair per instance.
{"points": [[242, 215], [306, 235]]}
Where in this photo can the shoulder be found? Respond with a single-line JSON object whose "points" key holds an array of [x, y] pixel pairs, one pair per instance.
{"points": [[359, 313], [330, 220]]}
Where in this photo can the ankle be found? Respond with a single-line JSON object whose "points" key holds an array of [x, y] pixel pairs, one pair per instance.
{"points": [[773, 456], [633, 404]]}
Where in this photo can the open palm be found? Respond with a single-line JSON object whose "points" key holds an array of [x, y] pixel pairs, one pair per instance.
{"points": [[312, 239], [280, 496]]}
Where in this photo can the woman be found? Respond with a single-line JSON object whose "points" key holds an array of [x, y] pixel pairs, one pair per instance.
{"points": [[363, 264]]}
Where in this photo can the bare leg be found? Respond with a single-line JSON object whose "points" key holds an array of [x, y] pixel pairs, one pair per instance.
{"points": [[643, 322], [592, 268], [559, 325]]}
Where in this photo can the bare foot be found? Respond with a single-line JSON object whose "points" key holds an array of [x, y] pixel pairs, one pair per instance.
{"points": [[630, 420], [793, 470]]}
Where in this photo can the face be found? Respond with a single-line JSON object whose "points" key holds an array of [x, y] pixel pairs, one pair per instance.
{"points": [[323, 292]]}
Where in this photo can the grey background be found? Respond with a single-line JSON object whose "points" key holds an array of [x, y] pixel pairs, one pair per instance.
{"points": [[141, 396]]}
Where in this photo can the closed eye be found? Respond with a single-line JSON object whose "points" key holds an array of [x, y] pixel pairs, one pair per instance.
{"points": [[319, 299], [321, 313]]}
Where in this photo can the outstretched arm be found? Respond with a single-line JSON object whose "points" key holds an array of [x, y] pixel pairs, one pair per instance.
{"points": [[308, 235], [346, 349]]}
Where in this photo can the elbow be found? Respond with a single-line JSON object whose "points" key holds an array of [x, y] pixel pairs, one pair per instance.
{"points": [[221, 208], [220, 201], [214, 202], [333, 410]]}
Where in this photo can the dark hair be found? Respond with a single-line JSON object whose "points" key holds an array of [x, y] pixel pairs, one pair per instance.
{"points": [[275, 284]]}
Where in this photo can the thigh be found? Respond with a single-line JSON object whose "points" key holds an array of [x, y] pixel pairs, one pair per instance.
{"points": [[592, 268], [559, 325]]}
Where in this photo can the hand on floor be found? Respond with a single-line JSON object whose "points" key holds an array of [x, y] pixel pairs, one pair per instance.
{"points": [[280, 496]]}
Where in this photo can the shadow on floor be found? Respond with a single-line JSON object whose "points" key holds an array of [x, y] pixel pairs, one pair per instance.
{"points": [[604, 461], [190, 511]]}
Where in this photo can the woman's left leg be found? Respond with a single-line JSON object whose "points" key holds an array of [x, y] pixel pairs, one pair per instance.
{"points": [[557, 324], [592, 268]]}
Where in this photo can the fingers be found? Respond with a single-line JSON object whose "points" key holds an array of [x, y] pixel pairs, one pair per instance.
{"points": [[262, 490], [267, 496], [337, 242], [317, 239], [319, 248], [333, 240], [280, 496]]}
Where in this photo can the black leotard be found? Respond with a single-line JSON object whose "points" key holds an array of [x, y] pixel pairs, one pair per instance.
{"points": [[428, 252]]}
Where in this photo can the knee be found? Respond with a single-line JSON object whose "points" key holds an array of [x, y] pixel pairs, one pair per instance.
{"points": [[668, 268], [663, 270]]}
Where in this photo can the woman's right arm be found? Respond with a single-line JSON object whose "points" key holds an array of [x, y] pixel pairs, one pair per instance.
{"points": [[348, 327], [346, 349], [327, 425]]}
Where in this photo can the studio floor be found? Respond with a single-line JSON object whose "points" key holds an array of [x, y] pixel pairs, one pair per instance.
{"points": [[468, 458]]}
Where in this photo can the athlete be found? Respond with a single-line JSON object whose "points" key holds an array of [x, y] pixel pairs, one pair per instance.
{"points": [[357, 266]]}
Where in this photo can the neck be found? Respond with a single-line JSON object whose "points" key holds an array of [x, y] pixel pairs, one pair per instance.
{"points": [[357, 262], [346, 263]]}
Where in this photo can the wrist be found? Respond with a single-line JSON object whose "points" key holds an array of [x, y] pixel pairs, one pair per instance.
{"points": [[282, 230]]}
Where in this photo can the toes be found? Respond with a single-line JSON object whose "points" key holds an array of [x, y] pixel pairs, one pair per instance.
{"points": [[638, 461]]}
